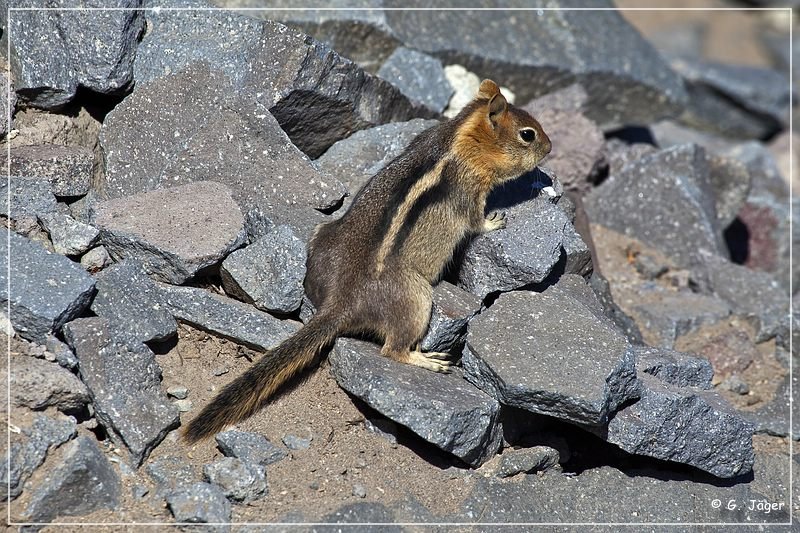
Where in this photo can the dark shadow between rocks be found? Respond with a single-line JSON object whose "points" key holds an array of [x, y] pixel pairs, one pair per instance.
{"points": [[163, 347], [97, 104], [526, 187], [632, 135], [737, 238]]}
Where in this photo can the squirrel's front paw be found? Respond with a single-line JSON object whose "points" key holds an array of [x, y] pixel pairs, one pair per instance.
{"points": [[494, 221]]}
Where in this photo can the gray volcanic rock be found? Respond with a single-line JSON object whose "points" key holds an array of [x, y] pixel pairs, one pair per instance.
{"points": [[625, 323], [528, 461], [227, 317], [29, 450], [173, 232], [684, 425], [675, 368], [133, 303], [664, 316], [67, 168], [268, 273], [201, 106], [249, 447], [69, 237], [6, 122], [53, 53], [418, 76], [773, 418], [240, 481], [730, 180], [29, 197], [359, 157], [124, 380], [96, 259], [550, 354], [452, 310], [82, 482], [199, 503], [665, 200], [442, 409], [736, 101], [171, 472], [38, 384], [523, 253], [755, 295], [47, 290], [634, 86]]}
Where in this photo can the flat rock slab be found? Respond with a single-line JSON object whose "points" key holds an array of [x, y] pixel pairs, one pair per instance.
{"points": [[550, 354], [523, 253], [173, 232], [442, 409], [29, 449], [38, 384], [186, 114], [664, 199], [82, 482], [133, 303], [684, 425], [224, 316], [269, 272], [567, 46], [125, 383], [28, 197], [53, 53], [47, 290], [452, 309], [67, 168]]}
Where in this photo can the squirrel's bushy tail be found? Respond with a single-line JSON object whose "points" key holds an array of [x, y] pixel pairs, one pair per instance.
{"points": [[244, 395]]}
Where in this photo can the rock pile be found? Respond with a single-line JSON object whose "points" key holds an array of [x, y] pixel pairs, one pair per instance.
{"points": [[222, 153]]}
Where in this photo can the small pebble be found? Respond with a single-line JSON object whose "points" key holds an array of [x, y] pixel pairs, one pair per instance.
{"points": [[221, 370], [735, 384], [296, 443], [178, 392], [359, 491], [183, 405]]}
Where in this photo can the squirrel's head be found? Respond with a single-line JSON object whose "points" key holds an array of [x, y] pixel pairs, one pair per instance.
{"points": [[499, 138]]}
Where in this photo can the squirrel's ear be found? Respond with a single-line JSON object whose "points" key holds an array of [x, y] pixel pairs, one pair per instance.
{"points": [[497, 107], [487, 89]]}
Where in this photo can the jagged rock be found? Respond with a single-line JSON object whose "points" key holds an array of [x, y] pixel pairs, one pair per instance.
{"points": [[240, 481], [268, 273], [730, 180], [577, 141], [48, 289], [67, 168], [548, 353], [567, 46], [523, 253], [685, 425], [249, 447], [442, 409], [61, 353], [773, 418], [53, 53], [199, 503], [170, 472], [29, 198], [264, 171], [528, 461], [227, 317], [133, 303], [82, 482], [124, 380], [69, 237], [736, 101], [625, 323], [29, 451], [663, 316], [38, 384], [293, 442], [675, 368], [96, 259], [359, 157], [418, 76], [173, 232], [665, 200], [755, 295], [452, 309]]}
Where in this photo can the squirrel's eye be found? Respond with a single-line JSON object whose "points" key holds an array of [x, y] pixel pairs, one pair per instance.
{"points": [[527, 135]]}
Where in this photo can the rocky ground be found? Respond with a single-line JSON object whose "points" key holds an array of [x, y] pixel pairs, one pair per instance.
{"points": [[625, 344]]}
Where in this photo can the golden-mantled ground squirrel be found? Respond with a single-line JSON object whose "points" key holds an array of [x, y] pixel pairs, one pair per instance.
{"points": [[371, 271]]}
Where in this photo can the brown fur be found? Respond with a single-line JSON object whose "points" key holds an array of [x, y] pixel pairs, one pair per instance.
{"points": [[372, 270]]}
